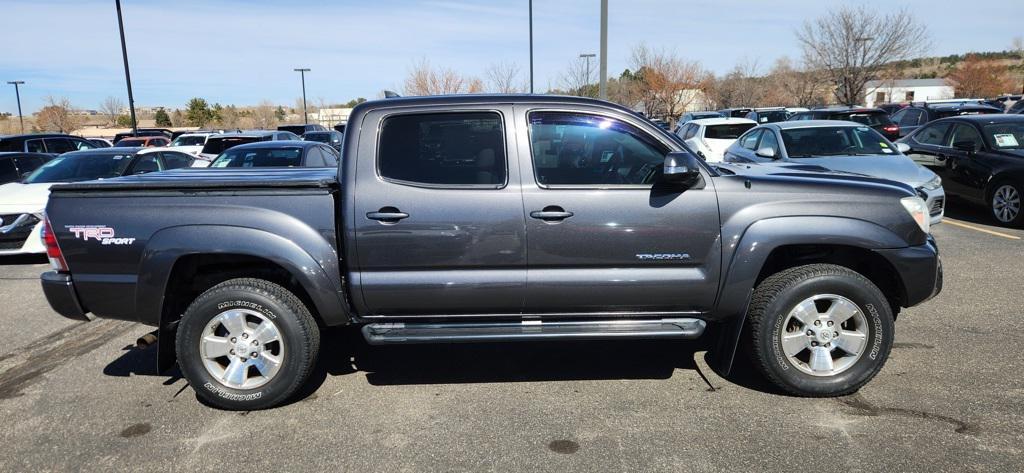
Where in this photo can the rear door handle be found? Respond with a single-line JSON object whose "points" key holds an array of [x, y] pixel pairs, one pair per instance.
{"points": [[552, 213], [387, 215]]}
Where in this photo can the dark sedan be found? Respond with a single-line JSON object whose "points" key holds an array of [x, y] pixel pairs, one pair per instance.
{"points": [[980, 159], [15, 166], [278, 154]]}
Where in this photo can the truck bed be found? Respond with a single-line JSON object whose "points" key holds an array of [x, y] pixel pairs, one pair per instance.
{"points": [[205, 179]]}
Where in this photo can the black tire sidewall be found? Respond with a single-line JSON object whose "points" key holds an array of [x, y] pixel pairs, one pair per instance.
{"points": [[880, 334], [1018, 221], [207, 387]]}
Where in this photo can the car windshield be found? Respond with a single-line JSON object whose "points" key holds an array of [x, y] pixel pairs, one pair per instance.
{"points": [[130, 143], [835, 141], [80, 167], [185, 140], [262, 157], [772, 116], [726, 132], [869, 119], [321, 137], [1005, 135], [221, 144], [969, 111]]}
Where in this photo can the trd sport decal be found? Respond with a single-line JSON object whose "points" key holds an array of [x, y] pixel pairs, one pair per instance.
{"points": [[103, 234]]}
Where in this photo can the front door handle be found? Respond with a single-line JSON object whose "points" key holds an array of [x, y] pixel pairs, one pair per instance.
{"points": [[387, 215], [940, 158], [551, 213]]}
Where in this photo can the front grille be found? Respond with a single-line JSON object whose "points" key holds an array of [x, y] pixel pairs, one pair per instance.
{"points": [[937, 205], [13, 236]]}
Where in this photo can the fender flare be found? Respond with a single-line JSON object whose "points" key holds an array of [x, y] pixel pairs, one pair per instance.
{"points": [[751, 253]]}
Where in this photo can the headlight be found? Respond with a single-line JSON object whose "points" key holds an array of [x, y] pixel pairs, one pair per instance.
{"points": [[933, 184], [918, 211]]}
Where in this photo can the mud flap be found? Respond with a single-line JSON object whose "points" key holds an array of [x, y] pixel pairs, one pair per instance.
{"points": [[166, 357], [728, 341]]}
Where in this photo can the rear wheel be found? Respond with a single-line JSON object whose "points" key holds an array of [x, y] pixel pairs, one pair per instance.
{"points": [[247, 344], [819, 330], [1005, 203]]}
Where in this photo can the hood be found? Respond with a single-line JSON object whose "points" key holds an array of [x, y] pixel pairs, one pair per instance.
{"points": [[893, 167], [17, 197]]}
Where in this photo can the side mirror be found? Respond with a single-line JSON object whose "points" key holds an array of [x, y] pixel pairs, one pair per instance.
{"points": [[967, 146], [766, 153], [681, 167], [903, 148]]}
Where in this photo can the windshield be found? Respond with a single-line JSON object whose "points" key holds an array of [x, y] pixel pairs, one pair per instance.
{"points": [[835, 141], [1005, 135], [130, 143], [219, 145], [264, 157], [772, 116], [80, 167], [321, 137], [726, 132], [185, 140], [870, 119]]}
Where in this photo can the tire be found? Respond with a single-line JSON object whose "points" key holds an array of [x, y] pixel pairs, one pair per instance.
{"points": [[238, 314], [1006, 203], [787, 304]]}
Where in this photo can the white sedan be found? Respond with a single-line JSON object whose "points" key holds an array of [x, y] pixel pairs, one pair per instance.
{"points": [[709, 137]]}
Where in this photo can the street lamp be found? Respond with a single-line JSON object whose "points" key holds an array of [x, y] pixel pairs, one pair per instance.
{"points": [[127, 75], [17, 94], [602, 89], [305, 116], [531, 46], [587, 56]]}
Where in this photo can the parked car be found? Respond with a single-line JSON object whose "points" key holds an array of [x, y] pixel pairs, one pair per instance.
{"points": [[847, 147], [624, 232], [298, 130], [790, 111], [980, 158], [735, 112], [191, 143], [51, 143], [142, 142], [892, 108], [100, 142], [691, 116], [710, 137], [1016, 108], [217, 144], [331, 138], [767, 115], [15, 166], [164, 132], [22, 202], [1005, 102], [917, 114], [875, 118], [340, 128], [277, 154]]}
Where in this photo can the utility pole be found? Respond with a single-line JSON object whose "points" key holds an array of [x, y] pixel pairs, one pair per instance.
{"points": [[305, 115], [127, 74], [587, 56], [531, 46], [602, 90], [17, 95]]}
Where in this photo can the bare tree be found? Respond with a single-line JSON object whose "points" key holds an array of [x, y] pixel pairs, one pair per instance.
{"points": [[852, 44], [504, 78], [263, 116], [739, 88], [111, 108], [788, 84], [57, 115], [423, 79], [577, 79]]}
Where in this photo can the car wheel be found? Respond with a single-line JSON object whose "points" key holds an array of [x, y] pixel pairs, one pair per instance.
{"points": [[247, 344], [1005, 203], [819, 330]]}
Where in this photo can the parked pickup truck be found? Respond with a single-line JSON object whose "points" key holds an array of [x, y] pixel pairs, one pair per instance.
{"points": [[494, 218]]}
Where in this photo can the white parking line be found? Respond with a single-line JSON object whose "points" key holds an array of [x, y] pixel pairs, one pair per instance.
{"points": [[979, 229]]}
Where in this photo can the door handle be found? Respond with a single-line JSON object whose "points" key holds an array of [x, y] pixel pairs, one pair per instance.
{"points": [[551, 213], [387, 215], [940, 158]]}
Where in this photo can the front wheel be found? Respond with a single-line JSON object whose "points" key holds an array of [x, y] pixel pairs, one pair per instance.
{"points": [[247, 344], [819, 330], [1005, 204]]}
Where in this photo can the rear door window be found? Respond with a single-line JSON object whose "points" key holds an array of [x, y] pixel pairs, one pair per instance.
{"points": [[442, 149], [330, 157], [932, 134], [964, 133], [173, 160], [59, 145], [35, 146], [912, 117], [314, 158], [7, 171]]}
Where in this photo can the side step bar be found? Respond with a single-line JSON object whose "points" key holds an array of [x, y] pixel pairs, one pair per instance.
{"points": [[397, 333]]}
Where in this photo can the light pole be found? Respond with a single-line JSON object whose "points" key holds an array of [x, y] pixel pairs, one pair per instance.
{"points": [[17, 94], [586, 57], [305, 116], [127, 75], [602, 89], [531, 46]]}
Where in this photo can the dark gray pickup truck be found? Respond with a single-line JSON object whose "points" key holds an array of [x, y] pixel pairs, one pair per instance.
{"points": [[494, 218]]}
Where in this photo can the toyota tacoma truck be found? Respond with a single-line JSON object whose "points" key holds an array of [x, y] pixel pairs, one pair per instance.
{"points": [[492, 219]]}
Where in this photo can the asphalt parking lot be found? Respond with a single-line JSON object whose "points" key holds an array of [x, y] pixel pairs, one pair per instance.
{"points": [[79, 396]]}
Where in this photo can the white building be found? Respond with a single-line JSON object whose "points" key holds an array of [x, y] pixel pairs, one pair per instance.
{"points": [[878, 92], [329, 117]]}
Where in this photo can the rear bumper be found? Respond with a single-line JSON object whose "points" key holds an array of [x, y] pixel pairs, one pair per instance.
{"points": [[919, 269], [59, 290]]}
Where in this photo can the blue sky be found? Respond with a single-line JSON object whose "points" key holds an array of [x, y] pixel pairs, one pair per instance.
{"points": [[243, 52]]}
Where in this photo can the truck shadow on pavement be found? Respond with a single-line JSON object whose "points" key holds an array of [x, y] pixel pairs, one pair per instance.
{"points": [[345, 352]]}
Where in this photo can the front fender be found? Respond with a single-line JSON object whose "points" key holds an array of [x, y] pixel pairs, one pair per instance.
{"points": [[314, 264]]}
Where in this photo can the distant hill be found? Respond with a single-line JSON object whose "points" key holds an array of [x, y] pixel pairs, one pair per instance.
{"points": [[939, 66]]}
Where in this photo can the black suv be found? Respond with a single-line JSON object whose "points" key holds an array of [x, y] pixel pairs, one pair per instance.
{"points": [[875, 118], [15, 166], [767, 115], [735, 112], [299, 130], [917, 114], [979, 157], [52, 143], [144, 132]]}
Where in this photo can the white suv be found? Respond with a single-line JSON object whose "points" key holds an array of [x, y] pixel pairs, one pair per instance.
{"points": [[710, 137]]}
